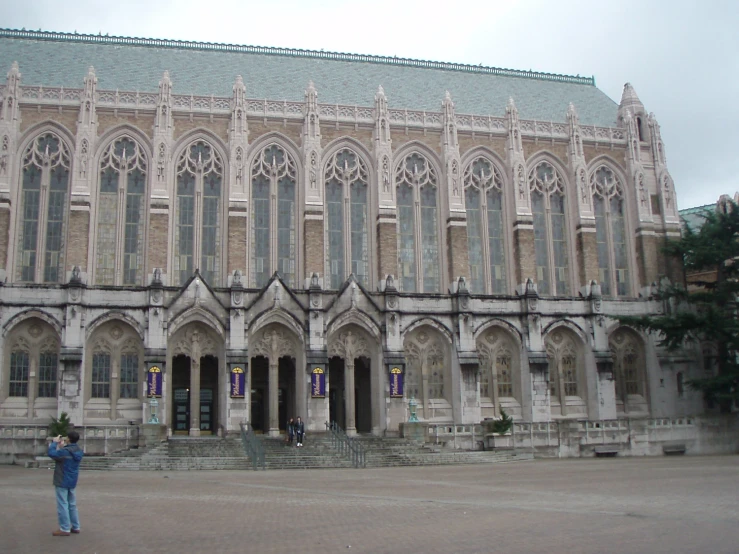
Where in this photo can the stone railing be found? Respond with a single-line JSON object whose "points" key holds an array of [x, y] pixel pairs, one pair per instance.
{"points": [[329, 113], [19, 441]]}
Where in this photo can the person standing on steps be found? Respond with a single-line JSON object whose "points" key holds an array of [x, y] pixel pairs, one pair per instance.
{"points": [[299, 431], [290, 431], [66, 472]]}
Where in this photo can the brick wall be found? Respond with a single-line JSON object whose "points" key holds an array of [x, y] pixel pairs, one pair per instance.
{"points": [[313, 243], [236, 244], [387, 247], [587, 255], [523, 252], [158, 242], [79, 233], [459, 264]]}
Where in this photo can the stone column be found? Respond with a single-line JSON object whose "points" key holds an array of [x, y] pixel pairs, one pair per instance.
{"points": [[115, 388], [274, 412], [349, 400], [195, 397], [32, 383]]}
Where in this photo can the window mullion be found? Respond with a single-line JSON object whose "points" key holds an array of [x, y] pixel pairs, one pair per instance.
{"points": [[550, 246], [485, 239], [120, 231], [611, 251], [419, 237], [347, 228], [42, 219]]}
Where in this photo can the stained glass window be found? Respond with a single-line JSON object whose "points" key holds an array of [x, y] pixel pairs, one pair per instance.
{"points": [[505, 379], [120, 212], [274, 176], [347, 223], [550, 229], [484, 204], [18, 374], [47, 374], [101, 375], [416, 183], [45, 182], [129, 376], [610, 230], [198, 230]]}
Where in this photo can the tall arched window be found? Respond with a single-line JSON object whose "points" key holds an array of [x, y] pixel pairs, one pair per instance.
{"points": [[550, 229], [43, 211], [119, 258], [565, 375], [628, 371], [274, 201], [610, 232], [426, 373], [198, 219], [483, 184], [418, 225], [495, 349], [32, 361], [347, 220]]}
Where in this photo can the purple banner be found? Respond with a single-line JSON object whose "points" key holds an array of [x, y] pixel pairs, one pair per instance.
{"points": [[396, 382], [318, 383], [154, 382], [238, 382]]}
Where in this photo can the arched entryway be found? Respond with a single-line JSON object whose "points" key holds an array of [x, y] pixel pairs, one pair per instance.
{"points": [[350, 380], [275, 388], [195, 360]]}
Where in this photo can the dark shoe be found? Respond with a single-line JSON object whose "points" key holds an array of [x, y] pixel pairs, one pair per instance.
{"points": [[60, 533], [75, 531]]}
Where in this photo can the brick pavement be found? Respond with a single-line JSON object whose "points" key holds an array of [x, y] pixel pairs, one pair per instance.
{"points": [[653, 505]]}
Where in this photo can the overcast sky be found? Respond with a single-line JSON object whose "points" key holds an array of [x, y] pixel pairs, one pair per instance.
{"points": [[681, 56]]}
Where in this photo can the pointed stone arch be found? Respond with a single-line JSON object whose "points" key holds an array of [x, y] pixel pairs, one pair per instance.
{"points": [[197, 314], [565, 350], [428, 353], [498, 346], [628, 350], [114, 315], [44, 316]]}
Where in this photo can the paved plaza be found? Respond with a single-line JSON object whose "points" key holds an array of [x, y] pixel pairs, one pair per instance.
{"points": [[645, 505]]}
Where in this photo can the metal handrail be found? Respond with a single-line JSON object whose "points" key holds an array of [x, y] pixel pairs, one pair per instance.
{"points": [[253, 447], [346, 445]]}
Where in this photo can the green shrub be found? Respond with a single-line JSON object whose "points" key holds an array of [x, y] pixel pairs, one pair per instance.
{"points": [[60, 426], [502, 425]]}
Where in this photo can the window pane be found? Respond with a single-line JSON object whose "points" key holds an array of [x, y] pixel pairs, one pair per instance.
{"points": [[286, 229], [18, 374], [429, 239], [474, 240], [505, 380], [260, 222], [185, 227], [47, 371], [129, 376], [495, 232], [106, 227], [100, 375], [540, 242], [29, 226], [133, 247], [360, 232], [211, 238], [601, 239], [53, 270], [559, 243], [406, 239], [335, 224], [619, 246]]}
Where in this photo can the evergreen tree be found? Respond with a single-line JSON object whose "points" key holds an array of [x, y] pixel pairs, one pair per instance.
{"points": [[705, 311]]}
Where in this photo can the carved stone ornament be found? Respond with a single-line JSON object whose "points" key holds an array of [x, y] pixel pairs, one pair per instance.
{"points": [[349, 345], [273, 345], [196, 343]]}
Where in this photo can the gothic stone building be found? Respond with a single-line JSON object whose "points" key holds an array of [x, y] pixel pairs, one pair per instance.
{"points": [[284, 232]]}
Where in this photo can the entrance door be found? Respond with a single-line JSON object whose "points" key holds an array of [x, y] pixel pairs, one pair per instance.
{"points": [[181, 406], [207, 416], [208, 394], [257, 409], [336, 391]]}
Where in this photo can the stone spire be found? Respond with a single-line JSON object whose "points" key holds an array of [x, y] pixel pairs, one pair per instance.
{"points": [[383, 150], [163, 133], [312, 146], [450, 153], [87, 125], [578, 167], [516, 160], [9, 128], [238, 138]]}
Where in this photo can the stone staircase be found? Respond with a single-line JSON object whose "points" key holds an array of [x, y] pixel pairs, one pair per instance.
{"points": [[210, 453]]}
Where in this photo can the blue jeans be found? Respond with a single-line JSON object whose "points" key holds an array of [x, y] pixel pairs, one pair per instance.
{"points": [[66, 509]]}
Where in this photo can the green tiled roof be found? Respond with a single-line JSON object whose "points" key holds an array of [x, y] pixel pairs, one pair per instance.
{"points": [[59, 59]]}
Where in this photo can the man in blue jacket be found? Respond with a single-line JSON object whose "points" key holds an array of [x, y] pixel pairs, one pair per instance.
{"points": [[66, 472]]}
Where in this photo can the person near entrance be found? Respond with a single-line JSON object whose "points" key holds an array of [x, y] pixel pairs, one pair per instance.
{"points": [[66, 472], [290, 431], [299, 431]]}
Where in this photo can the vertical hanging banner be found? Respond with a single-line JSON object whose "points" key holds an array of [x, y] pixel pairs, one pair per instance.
{"points": [[318, 382], [154, 382], [238, 382], [396, 382]]}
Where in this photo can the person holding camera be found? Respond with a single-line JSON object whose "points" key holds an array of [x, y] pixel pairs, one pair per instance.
{"points": [[299, 431], [67, 457]]}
